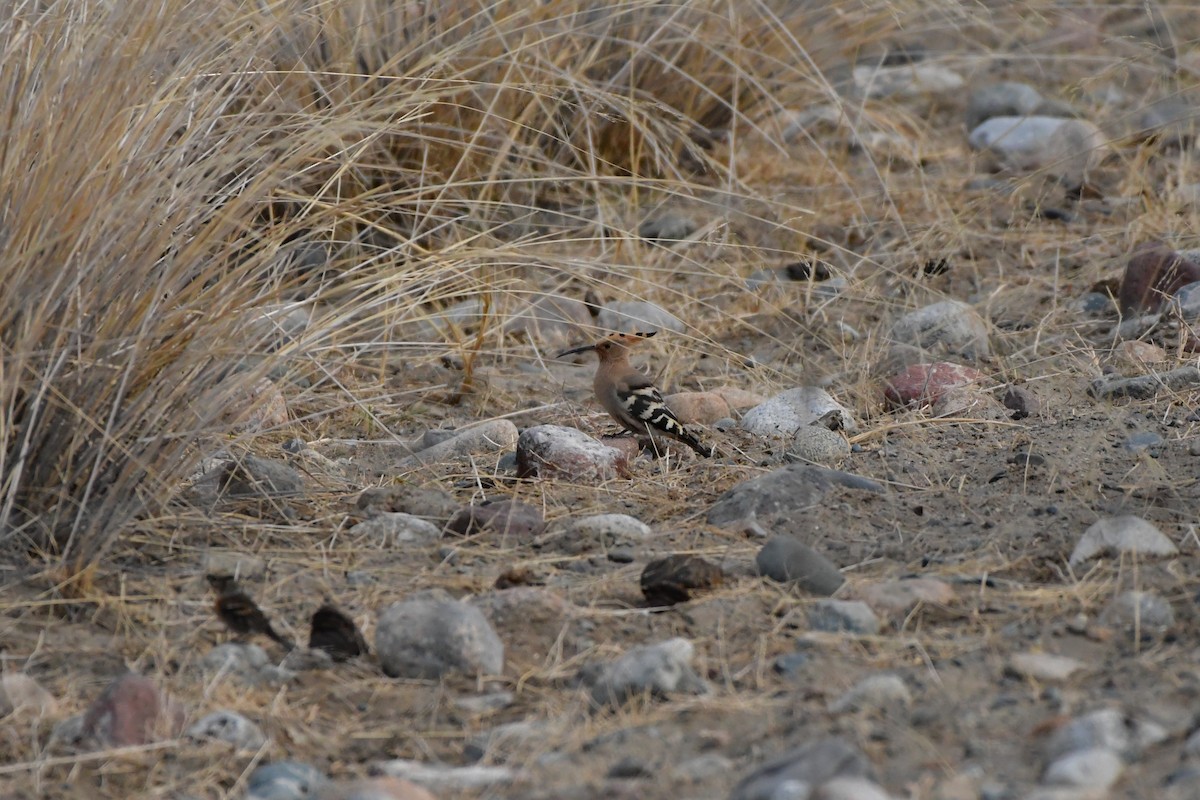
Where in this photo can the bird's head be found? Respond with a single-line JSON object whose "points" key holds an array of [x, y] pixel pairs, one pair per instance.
{"points": [[613, 346]]}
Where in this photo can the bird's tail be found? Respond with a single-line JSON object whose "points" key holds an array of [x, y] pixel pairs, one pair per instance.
{"points": [[689, 438], [280, 639]]}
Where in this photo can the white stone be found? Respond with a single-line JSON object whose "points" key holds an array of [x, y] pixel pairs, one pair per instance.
{"points": [[1123, 534], [1097, 767]]}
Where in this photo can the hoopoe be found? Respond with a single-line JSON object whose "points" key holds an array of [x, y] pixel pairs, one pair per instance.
{"points": [[629, 397]]}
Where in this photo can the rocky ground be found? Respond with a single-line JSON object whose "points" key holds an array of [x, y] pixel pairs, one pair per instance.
{"points": [[946, 548]]}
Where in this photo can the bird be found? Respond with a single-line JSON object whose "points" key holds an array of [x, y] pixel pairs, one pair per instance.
{"points": [[241, 614], [629, 396], [335, 633]]}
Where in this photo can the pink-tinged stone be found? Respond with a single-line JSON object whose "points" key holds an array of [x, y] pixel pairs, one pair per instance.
{"points": [[901, 597], [383, 788], [554, 451], [739, 399], [922, 384], [260, 406], [698, 408], [19, 692], [1154, 272], [132, 711], [510, 517]]}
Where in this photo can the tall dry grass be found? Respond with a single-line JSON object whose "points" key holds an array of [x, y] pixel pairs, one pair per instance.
{"points": [[163, 166]]}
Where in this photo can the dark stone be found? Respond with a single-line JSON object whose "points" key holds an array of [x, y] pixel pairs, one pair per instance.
{"points": [[507, 517], [782, 492], [676, 578], [1154, 273], [251, 476], [789, 560]]}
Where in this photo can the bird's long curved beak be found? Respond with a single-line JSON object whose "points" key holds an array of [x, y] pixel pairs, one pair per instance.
{"points": [[574, 350]]}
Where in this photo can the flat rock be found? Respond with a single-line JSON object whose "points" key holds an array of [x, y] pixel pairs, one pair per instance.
{"points": [[20, 693], [1119, 535], [949, 326], [427, 638], [285, 780], [789, 560], [843, 616], [1107, 728], [492, 436], [667, 225], [810, 765], [678, 578], [628, 316], [251, 476], [238, 565], [555, 451], [924, 384], [1044, 667], [786, 491], [1003, 99], [446, 777], [1142, 612], [1096, 767], [229, 727], [132, 710], [1063, 147], [658, 670], [900, 597], [430, 503], [909, 80], [394, 528], [507, 518], [698, 408], [379, 788], [850, 789], [884, 692], [786, 412], [1145, 387]]}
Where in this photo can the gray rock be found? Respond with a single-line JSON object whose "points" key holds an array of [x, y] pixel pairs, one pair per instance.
{"points": [[555, 451], [1044, 667], [67, 735], [1174, 121], [604, 531], [1096, 767], [1107, 728], [1188, 298], [950, 326], [667, 225], [285, 780], [440, 777], [843, 616], [1066, 148], [874, 693], [658, 670], [395, 528], [788, 412], [1005, 99], [509, 519], [1145, 387], [430, 503], [702, 768], [235, 657], [230, 562], [1119, 535], [788, 560], [306, 659], [1144, 441], [229, 727], [626, 316], [251, 476], [850, 789], [487, 437], [800, 769], [814, 444], [509, 741], [784, 492], [908, 80], [1144, 612], [427, 638]]}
